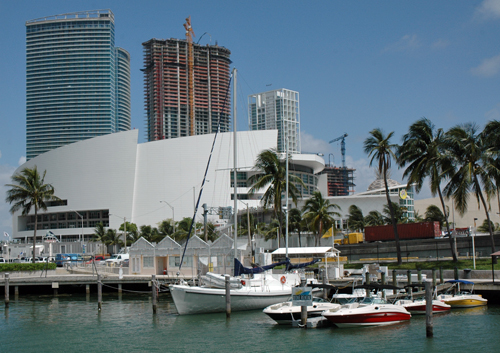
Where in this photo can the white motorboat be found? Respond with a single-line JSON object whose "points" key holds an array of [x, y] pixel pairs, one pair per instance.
{"points": [[461, 298], [256, 292], [285, 313], [369, 312], [418, 306]]}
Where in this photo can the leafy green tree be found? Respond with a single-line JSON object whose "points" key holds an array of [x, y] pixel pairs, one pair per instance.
{"points": [[131, 228], [28, 190], [166, 227], [272, 175], [423, 150], [319, 213], [379, 147], [418, 217], [355, 218], [476, 167], [434, 214], [374, 218], [151, 234]]}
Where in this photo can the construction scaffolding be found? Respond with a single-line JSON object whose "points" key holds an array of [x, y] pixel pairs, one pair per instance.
{"points": [[170, 109], [340, 180]]}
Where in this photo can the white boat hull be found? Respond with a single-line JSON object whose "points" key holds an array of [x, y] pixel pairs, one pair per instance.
{"points": [[200, 300]]}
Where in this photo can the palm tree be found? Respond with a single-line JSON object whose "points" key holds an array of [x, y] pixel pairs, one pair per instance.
{"points": [[476, 167], [423, 151], [272, 174], [151, 234], [434, 214], [398, 214], [113, 238], [374, 218], [356, 220], [130, 228], [166, 227], [380, 149], [100, 234], [28, 190], [296, 223], [484, 228], [319, 213]]}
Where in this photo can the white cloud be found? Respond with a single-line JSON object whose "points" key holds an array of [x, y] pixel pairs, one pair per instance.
{"points": [[488, 9], [310, 144], [406, 43], [489, 67], [440, 43]]}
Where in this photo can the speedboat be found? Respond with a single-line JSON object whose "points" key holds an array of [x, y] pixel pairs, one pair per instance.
{"points": [[419, 306], [462, 298], [369, 312], [285, 313], [256, 292]]}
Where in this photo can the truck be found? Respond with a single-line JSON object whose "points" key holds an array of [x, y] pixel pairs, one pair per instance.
{"points": [[423, 230], [116, 260]]}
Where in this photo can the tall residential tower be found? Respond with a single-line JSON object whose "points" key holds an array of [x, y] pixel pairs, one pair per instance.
{"points": [[77, 81], [278, 109], [167, 83]]}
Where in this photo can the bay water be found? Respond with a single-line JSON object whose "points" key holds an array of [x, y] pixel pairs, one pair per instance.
{"points": [[126, 324]]}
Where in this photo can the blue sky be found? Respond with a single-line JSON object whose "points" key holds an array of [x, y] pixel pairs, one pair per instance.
{"points": [[356, 65]]}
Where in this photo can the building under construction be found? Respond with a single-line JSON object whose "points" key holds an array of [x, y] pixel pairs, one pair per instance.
{"points": [[340, 180], [186, 88]]}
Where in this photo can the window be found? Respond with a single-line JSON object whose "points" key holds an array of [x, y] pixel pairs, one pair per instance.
{"points": [[174, 261], [148, 261]]}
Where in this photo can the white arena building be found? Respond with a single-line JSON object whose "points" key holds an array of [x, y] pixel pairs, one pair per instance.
{"points": [[113, 178]]}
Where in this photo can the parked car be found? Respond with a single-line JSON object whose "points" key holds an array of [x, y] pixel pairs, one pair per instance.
{"points": [[2, 260], [116, 260], [97, 259]]}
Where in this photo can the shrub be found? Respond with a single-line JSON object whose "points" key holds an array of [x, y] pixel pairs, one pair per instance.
{"points": [[13, 267]]}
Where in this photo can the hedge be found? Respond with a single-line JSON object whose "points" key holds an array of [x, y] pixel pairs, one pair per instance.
{"points": [[28, 267]]}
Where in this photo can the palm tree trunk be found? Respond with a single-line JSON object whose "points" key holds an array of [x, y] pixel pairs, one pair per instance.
{"points": [[300, 243], [393, 219], [492, 238], [452, 245]]}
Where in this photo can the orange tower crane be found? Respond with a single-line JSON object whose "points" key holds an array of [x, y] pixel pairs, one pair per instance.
{"points": [[189, 38]]}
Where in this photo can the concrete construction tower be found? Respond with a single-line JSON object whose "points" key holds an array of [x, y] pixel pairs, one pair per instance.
{"points": [[168, 94], [278, 109], [77, 81]]}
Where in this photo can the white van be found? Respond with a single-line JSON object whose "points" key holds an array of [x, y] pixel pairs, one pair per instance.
{"points": [[116, 260]]}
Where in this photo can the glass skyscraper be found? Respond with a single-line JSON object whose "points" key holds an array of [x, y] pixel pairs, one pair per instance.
{"points": [[77, 81], [278, 109]]}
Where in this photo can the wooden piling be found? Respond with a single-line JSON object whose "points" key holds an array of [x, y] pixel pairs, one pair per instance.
{"points": [[325, 290], [434, 280], [7, 299], [87, 289], [441, 277], [99, 293], [394, 278], [455, 271], [419, 276], [408, 275], [429, 330], [153, 288], [16, 291], [228, 298], [382, 278]]}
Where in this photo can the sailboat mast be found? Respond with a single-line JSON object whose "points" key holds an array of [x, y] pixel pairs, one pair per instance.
{"points": [[235, 171], [286, 196]]}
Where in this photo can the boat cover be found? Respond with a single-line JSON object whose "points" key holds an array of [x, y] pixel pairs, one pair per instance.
{"points": [[239, 269]]}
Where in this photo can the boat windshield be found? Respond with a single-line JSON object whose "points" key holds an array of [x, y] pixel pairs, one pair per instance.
{"points": [[371, 300]]}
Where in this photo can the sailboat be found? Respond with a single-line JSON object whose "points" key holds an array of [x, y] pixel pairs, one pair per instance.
{"points": [[257, 288]]}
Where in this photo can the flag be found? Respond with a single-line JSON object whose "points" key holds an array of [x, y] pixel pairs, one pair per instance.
{"points": [[6, 236]]}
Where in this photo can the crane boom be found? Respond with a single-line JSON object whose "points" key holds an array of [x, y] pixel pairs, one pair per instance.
{"points": [[342, 146]]}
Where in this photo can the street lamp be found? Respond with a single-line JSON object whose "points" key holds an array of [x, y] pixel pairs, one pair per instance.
{"points": [[82, 223], [173, 213], [124, 230], [473, 246]]}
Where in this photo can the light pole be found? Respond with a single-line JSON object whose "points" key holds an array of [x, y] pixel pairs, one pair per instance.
{"points": [[124, 230], [473, 246], [173, 212], [81, 240]]}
